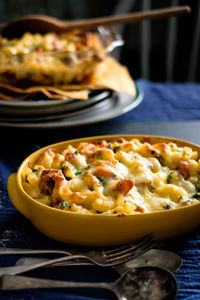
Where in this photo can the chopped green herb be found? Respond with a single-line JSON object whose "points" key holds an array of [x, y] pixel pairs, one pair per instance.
{"points": [[169, 177], [139, 208], [78, 173], [167, 206], [35, 171], [76, 152], [100, 155], [63, 205], [87, 168], [116, 149]]}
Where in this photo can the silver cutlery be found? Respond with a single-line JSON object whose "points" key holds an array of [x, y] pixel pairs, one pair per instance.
{"points": [[140, 283], [154, 257], [110, 257]]}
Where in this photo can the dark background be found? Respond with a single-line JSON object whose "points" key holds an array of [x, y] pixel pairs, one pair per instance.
{"points": [[159, 50]]}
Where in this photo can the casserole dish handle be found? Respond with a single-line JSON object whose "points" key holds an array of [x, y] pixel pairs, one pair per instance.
{"points": [[14, 194]]}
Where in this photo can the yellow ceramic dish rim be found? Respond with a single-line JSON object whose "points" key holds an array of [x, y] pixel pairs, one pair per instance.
{"points": [[105, 218]]}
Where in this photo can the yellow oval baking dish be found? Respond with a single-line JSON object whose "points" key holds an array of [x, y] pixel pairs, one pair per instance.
{"points": [[99, 229]]}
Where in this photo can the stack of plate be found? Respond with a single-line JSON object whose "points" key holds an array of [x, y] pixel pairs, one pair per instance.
{"points": [[101, 105]]}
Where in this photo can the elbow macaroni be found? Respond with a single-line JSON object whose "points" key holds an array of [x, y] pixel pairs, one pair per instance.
{"points": [[120, 177]]}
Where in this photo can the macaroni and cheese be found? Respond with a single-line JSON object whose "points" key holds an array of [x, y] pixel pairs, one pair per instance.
{"points": [[117, 176], [50, 58]]}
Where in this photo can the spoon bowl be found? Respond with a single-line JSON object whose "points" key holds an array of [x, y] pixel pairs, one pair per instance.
{"points": [[154, 257], [44, 24], [147, 282]]}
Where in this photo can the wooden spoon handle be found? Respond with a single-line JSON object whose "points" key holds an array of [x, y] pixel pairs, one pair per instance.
{"points": [[127, 18]]}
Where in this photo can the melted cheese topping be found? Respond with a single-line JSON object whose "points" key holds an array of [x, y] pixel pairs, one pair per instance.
{"points": [[119, 177], [50, 58]]}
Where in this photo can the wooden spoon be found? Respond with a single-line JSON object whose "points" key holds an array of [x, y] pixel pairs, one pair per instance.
{"points": [[43, 24]]}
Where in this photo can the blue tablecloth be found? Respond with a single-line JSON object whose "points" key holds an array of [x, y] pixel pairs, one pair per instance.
{"points": [[163, 103], [167, 102]]}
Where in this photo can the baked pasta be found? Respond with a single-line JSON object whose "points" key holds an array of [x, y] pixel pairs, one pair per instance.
{"points": [[118, 176], [50, 58]]}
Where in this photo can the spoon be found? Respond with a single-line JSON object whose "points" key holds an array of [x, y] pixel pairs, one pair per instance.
{"points": [[141, 283], [154, 257], [43, 24]]}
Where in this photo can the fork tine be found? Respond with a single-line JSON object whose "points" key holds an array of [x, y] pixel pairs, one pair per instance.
{"points": [[132, 245], [132, 248], [132, 252], [131, 256]]}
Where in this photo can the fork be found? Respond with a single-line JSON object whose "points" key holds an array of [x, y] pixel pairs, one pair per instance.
{"points": [[110, 257], [153, 257]]}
